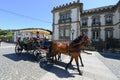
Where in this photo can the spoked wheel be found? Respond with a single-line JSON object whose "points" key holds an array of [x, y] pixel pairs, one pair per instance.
{"points": [[37, 53], [18, 49]]}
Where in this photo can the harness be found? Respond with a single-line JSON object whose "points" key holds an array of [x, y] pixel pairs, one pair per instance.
{"points": [[74, 44], [76, 41]]}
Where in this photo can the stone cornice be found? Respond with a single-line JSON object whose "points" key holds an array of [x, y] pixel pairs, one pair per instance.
{"points": [[67, 23], [109, 28], [67, 6], [110, 8]]}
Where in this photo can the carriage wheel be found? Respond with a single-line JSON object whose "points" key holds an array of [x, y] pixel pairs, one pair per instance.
{"points": [[18, 49], [37, 53]]}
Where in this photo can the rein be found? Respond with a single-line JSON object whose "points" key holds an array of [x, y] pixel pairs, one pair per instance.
{"points": [[76, 50]]}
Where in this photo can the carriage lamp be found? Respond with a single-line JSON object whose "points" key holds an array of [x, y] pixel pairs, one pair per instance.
{"points": [[72, 31]]}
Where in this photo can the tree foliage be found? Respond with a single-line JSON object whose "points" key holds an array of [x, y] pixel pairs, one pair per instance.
{"points": [[6, 33]]}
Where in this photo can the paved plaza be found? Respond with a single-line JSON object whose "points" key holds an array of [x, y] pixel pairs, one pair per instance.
{"points": [[24, 67], [94, 69]]}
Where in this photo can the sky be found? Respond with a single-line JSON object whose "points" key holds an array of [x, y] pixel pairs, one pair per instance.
{"points": [[20, 14]]}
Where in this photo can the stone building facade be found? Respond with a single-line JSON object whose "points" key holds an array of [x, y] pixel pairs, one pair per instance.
{"points": [[99, 23]]}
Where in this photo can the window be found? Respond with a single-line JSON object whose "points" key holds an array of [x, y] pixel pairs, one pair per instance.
{"points": [[96, 21], [67, 32], [65, 17], [84, 22], [108, 19], [95, 35], [61, 32], [109, 34], [64, 32]]}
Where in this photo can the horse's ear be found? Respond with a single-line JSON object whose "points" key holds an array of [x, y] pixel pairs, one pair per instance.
{"points": [[83, 33]]}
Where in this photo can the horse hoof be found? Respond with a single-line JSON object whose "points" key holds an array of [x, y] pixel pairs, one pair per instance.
{"points": [[82, 65], [65, 68], [80, 73]]}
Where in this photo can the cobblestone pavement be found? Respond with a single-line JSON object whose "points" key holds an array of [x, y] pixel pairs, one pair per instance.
{"points": [[25, 66], [112, 61], [18, 67]]}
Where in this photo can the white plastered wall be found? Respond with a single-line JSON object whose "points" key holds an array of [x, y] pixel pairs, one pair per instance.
{"points": [[74, 14], [56, 18], [74, 27], [56, 33], [102, 33]]}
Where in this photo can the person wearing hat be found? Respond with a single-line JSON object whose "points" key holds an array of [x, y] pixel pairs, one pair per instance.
{"points": [[38, 39]]}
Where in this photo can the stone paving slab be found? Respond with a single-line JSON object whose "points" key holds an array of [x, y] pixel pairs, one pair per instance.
{"points": [[93, 69]]}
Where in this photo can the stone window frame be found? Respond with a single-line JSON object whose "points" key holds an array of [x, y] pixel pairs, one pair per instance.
{"points": [[65, 16], [106, 32], [97, 36], [108, 16], [94, 22], [86, 21], [63, 30]]}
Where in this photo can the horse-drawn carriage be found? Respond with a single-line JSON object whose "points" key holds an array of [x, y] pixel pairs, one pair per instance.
{"points": [[54, 48], [32, 47]]}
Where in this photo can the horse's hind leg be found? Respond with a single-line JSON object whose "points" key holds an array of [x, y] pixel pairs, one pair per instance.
{"points": [[59, 57], [81, 60], [69, 63], [77, 63]]}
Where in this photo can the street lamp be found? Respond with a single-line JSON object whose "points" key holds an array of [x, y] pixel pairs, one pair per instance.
{"points": [[72, 31]]}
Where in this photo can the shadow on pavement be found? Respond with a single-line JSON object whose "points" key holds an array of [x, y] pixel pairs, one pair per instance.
{"points": [[22, 56], [58, 71], [111, 55]]}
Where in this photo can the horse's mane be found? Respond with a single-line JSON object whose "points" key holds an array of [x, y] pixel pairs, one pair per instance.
{"points": [[77, 40]]}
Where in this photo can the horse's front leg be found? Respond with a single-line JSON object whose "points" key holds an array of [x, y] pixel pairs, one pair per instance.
{"points": [[77, 63], [69, 63], [81, 60], [59, 57]]}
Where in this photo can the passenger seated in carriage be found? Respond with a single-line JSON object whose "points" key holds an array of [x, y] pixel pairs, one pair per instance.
{"points": [[37, 39], [45, 40], [19, 42], [24, 43]]}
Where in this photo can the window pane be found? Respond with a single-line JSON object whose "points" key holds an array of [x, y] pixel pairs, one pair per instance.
{"points": [[97, 35], [93, 35], [61, 33], [67, 32], [67, 15]]}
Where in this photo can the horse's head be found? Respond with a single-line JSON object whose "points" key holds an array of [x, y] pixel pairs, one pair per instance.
{"points": [[85, 40]]}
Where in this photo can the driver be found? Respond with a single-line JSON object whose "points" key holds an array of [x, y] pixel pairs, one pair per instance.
{"points": [[38, 39]]}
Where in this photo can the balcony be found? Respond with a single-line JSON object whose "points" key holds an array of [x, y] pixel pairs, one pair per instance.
{"points": [[97, 24], [84, 25], [107, 23], [67, 20]]}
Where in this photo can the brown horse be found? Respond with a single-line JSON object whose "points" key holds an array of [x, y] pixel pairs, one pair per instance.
{"points": [[72, 50]]}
